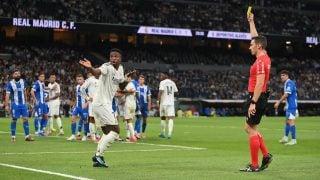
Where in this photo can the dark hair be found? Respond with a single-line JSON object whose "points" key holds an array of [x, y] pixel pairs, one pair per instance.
{"points": [[16, 70], [52, 74], [116, 50], [41, 73], [141, 76], [262, 40], [79, 75], [285, 72]]}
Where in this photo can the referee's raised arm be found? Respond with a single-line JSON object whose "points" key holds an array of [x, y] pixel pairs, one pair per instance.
{"points": [[253, 30]]}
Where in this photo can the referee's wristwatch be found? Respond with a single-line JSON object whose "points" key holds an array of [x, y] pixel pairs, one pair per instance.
{"points": [[253, 102]]}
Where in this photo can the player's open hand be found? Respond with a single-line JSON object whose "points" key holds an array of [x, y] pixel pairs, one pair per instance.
{"points": [[250, 17], [252, 110], [85, 62], [276, 105]]}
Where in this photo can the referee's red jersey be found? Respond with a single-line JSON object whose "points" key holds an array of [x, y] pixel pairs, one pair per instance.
{"points": [[262, 65]]}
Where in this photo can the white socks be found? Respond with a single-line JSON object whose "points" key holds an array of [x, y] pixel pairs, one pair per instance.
{"points": [[51, 123], [131, 129], [59, 123], [105, 142], [163, 127], [170, 127], [92, 128]]}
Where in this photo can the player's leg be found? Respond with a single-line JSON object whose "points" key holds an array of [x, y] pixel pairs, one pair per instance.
{"points": [[163, 122], [137, 125], [50, 116], [73, 124], [144, 113], [36, 120], [92, 128], [86, 133], [111, 131], [44, 119], [24, 114], [171, 115], [13, 125], [128, 116], [286, 132], [59, 123], [292, 126]]}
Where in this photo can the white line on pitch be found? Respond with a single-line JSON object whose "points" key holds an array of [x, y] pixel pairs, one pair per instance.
{"points": [[85, 152], [174, 146], [45, 172]]}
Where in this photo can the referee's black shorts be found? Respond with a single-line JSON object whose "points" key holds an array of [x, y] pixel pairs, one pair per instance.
{"points": [[260, 108]]}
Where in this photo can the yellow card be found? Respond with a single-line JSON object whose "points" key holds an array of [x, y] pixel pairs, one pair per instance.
{"points": [[249, 10]]}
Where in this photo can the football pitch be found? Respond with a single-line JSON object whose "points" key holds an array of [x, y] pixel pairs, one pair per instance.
{"points": [[201, 148]]}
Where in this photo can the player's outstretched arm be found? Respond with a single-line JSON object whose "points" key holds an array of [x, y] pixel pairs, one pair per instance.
{"points": [[253, 30], [87, 64]]}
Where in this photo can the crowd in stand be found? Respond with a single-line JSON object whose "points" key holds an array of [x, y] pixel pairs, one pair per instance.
{"points": [[230, 84], [275, 17]]}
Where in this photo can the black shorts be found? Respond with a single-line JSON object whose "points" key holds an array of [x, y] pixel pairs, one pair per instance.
{"points": [[260, 109]]}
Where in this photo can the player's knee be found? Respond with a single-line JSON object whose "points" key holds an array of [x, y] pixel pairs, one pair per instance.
{"points": [[163, 118], [14, 119]]}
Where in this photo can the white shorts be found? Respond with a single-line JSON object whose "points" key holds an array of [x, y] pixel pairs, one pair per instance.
{"points": [[54, 109], [104, 115], [167, 110], [129, 112]]}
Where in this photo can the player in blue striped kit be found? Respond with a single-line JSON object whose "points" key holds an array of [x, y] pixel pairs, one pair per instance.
{"points": [[291, 97], [145, 102], [79, 110], [16, 93], [37, 92]]}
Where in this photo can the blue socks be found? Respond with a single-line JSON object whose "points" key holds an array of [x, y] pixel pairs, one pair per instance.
{"points": [[287, 129], [137, 125], [80, 123], [86, 129], [13, 128], [73, 128], [144, 125], [26, 128], [36, 124], [43, 124], [293, 131]]}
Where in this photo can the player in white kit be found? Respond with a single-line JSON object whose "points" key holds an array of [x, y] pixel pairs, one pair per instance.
{"points": [[91, 84], [110, 76], [130, 107], [167, 91], [54, 104]]}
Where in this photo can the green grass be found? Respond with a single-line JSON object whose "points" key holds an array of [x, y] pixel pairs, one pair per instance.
{"points": [[223, 139]]}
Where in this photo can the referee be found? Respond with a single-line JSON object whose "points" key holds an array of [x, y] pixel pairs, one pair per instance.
{"points": [[257, 100]]}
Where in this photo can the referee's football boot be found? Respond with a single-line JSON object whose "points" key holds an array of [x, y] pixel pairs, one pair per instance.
{"points": [[250, 168], [266, 161]]}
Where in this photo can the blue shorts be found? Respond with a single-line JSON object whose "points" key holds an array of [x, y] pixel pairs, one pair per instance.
{"points": [[291, 113], [83, 113], [41, 109], [19, 110], [144, 111]]}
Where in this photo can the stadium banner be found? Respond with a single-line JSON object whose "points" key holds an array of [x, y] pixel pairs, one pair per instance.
{"points": [[229, 35], [43, 23], [164, 31], [312, 40]]}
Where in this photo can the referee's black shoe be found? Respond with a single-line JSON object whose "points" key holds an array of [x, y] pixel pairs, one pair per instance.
{"points": [[250, 168], [266, 161]]}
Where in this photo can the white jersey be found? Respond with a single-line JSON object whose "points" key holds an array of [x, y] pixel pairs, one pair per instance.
{"points": [[130, 98], [169, 88], [108, 84], [92, 84], [54, 89]]}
